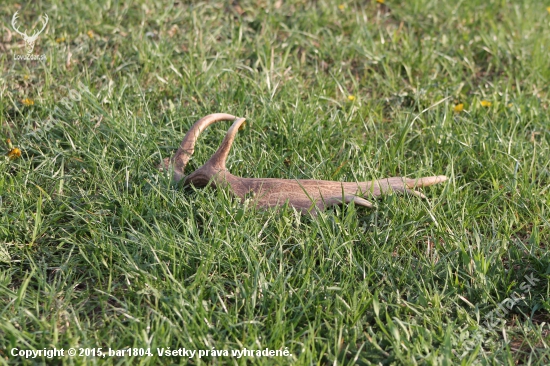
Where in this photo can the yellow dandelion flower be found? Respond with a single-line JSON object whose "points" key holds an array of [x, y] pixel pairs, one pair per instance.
{"points": [[486, 103], [60, 39], [90, 34], [510, 105], [342, 6], [27, 101], [548, 9], [459, 108], [26, 77], [351, 98], [14, 153], [380, 1]]}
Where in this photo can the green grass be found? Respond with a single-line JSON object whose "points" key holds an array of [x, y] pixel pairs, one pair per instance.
{"points": [[99, 249]]}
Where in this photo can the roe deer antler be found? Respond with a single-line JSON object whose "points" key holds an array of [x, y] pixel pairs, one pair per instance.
{"points": [[303, 194]]}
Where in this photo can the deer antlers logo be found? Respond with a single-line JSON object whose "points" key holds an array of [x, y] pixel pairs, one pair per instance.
{"points": [[29, 40]]}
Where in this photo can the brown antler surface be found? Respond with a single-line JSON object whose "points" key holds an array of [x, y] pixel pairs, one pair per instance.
{"points": [[306, 195]]}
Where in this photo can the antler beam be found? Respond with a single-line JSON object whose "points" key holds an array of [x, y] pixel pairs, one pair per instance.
{"points": [[306, 195]]}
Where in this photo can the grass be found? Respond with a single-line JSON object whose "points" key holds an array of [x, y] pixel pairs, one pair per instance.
{"points": [[99, 249]]}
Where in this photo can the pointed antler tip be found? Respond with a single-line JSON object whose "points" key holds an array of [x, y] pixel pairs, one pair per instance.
{"points": [[426, 181]]}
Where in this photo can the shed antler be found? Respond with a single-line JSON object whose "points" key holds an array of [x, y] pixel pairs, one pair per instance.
{"points": [[303, 194]]}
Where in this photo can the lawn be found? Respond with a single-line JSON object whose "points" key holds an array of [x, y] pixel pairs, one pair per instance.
{"points": [[100, 250]]}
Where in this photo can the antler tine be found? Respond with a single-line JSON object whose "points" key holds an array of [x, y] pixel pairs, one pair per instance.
{"points": [[13, 21], [425, 181], [217, 161], [187, 146]]}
